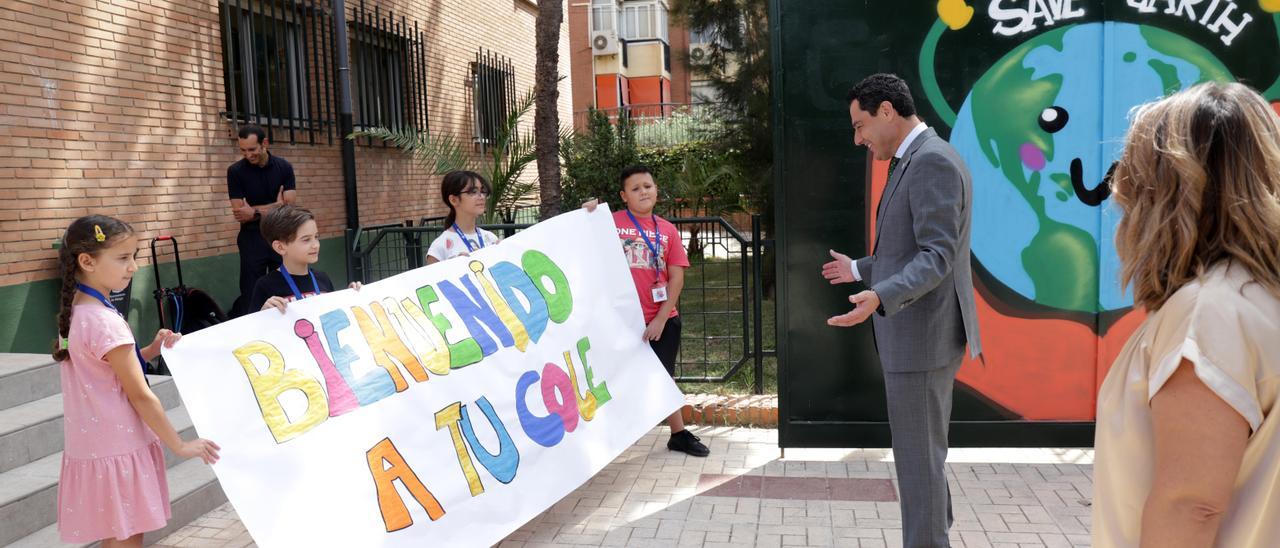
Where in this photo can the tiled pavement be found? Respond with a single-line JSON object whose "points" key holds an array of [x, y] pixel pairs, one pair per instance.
{"points": [[745, 495]]}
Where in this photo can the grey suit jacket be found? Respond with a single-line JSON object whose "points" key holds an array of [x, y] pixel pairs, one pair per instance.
{"points": [[919, 266]]}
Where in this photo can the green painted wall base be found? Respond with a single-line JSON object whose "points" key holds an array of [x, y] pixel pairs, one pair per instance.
{"points": [[28, 312]]}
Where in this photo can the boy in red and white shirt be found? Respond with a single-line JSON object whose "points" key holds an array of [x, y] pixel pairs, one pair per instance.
{"points": [[657, 259]]}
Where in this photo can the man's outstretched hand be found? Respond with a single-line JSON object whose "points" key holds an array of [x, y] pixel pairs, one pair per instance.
{"points": [[839, 270], [864, 304]]}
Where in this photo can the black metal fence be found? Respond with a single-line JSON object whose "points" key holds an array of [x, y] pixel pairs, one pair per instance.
{"points": [[721, 306]]}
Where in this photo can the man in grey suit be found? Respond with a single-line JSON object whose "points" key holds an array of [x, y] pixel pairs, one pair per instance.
{"points": [[920, 289]]}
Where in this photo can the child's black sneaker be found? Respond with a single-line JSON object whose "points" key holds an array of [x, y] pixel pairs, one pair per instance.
{"points": [[685, 442]]}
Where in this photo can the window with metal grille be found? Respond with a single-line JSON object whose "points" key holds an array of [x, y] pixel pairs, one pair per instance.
{"points": [[274, 54], [493, 94], [388, 76]]}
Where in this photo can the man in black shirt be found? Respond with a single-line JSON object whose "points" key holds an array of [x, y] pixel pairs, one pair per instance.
{"points": [[258, 183]]}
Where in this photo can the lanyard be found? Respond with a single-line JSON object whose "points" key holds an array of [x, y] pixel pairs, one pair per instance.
{"points": [[656, 265], [107, 302], [297, 294], [479, 238]]}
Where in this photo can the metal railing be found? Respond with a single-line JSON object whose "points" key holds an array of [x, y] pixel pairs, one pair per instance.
{"points": [[659, 124], [714, 304], [380, 252], [721, 305]]}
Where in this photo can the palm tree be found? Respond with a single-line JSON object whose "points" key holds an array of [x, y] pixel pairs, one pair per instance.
{"points": [[503, 165], [706, 188], [546, 120]]}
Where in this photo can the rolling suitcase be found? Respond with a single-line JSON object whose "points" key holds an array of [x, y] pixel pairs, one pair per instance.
{"points": [[181, 309]]}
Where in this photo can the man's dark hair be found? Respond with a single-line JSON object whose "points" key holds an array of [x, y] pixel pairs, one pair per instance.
{"points": [[878, 88], [629, 171], [282, 223], [253, 129]]}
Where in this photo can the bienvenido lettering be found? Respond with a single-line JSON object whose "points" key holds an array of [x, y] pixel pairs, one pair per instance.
{"points": [[507, 306]]}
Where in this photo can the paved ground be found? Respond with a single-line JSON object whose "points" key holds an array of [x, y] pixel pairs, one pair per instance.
{"points": [[744, 494]]}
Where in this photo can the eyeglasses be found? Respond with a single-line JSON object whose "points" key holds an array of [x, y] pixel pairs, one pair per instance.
{"points": [[476, 192]]}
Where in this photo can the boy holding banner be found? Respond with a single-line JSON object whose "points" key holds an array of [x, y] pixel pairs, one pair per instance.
{"points": [[657, 260], [291, 231]]}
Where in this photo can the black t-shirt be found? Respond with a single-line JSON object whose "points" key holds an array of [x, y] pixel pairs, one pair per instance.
{"points": [[273, 285], [259, 185]]}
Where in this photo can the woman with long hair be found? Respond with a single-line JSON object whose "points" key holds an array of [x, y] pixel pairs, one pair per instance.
{"points": [[1188, 430]]}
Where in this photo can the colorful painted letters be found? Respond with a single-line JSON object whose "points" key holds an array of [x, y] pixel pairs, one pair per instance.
{"points": [[511, 309]]}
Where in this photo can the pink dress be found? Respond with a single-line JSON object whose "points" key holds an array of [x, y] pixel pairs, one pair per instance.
{"points": [[113, 474]]}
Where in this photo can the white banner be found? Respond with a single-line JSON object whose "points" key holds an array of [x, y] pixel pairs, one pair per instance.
{"points": [[445, 406]]}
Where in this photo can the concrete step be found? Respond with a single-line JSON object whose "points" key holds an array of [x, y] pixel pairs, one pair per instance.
{"points": [[193, 492], [29, 493], [33, 430], [26, 378]]}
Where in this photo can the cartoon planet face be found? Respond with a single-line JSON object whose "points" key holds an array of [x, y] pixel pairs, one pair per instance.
{"points": [[1040, 132]]}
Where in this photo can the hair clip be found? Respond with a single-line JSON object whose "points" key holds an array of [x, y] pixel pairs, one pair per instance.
{"points": [[62, 343], [98, 234]]}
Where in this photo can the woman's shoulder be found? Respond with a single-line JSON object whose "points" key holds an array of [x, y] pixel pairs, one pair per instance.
{"points": [[1224, 303], [1225, 286]]}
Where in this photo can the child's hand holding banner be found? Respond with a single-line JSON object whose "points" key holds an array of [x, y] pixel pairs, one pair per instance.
{"points": [[445, 406]]}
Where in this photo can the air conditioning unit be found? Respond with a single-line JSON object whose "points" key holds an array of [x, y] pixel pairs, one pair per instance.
{"points": [[604, 42], [699, 54]]}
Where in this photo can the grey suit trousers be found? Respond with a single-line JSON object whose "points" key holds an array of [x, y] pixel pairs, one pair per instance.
{"points": [[919, 418]]}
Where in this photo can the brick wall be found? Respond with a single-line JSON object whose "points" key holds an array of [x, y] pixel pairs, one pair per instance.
{"points": [[113, 107], [581, 60]]}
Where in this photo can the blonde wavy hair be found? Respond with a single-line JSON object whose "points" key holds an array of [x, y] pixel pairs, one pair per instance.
{"points": [[1199, 184]]}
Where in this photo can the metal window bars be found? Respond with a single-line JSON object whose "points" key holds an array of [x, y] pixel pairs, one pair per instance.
{"points": [[493, 95], [389, 76], [279, 69], [276, 56]]}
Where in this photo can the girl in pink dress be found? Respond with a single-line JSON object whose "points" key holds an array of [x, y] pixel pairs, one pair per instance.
{"points": [[113, 485]]}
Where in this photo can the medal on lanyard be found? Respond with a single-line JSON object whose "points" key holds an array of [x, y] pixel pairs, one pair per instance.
{"points": [[297, 294], [479, 238], [107, 302], [659, 288]]}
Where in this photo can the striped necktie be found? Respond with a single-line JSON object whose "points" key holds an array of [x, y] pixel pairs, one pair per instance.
{"points": [[893, 163]]}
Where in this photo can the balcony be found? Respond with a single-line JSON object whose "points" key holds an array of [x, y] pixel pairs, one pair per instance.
{"points": [[634, 21]]}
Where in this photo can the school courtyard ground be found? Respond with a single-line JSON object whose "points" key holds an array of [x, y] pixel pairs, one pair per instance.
{"points": [[746, 494]]}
